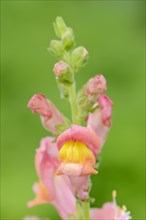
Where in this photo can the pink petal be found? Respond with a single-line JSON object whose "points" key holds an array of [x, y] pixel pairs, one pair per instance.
{"points": [[81, 186], [59, 188], [46, 162], [65, 200], [109, 211], [95, 122], [50, 115], [82, 134], [100, 119], [106, 108], [70, 169], [38, 104]]}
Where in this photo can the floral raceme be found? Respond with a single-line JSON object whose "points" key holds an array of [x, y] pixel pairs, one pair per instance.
{"points": [[70, 153]]}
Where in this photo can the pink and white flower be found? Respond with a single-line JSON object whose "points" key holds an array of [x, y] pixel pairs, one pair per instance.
{"points": [[78, 147], [53, 189], [109, 211]]}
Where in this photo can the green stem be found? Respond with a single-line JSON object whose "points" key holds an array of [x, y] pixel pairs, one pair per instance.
{"points": [[73, 103], [86, 209]]}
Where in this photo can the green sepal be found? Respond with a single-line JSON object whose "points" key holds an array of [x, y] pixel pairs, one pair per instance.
{"points": [[68, 39], [56, 48], [79, 58], [63, 90]]}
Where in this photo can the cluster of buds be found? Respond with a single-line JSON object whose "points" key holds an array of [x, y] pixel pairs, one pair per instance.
{"points": [[71, 59], [66, 158], [89, 95]]}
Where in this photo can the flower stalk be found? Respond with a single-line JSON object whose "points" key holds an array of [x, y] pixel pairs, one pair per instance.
{"points": [[73, 104], [65, 160], [86, 208]]}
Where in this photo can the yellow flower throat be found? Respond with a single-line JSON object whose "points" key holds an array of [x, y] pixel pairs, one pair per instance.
{"points": [[76, 152]]}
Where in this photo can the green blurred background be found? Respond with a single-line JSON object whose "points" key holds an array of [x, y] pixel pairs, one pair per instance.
{"points": [[113, 32]]}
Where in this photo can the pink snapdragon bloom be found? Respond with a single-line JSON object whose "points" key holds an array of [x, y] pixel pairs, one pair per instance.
{"points": [[100, 119], [109, 211], [60, 68], [50, 115], [96, 85], [53, 189], [77, 149]]}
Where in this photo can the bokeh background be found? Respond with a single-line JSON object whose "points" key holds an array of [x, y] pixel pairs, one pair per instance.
{"points": [[113, 32]]}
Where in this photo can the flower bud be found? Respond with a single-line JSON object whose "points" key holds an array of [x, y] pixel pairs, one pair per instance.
{"points": [[96, 85], [59, 26], [87, 96], [68, 39], [56, 48], [60, 68], [79, 58], [62, 72]]}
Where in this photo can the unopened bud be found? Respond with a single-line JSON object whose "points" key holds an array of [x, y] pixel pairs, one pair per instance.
{"points": [[59, 26], [56, 48], [79, 58], [60, 68], [87, 96], [63, 73], [68, 39], [95, 85]]}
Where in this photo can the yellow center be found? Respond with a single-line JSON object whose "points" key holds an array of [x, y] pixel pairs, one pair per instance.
{"points": [[76, 152]]}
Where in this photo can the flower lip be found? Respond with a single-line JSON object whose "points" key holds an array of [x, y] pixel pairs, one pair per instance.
{"points": [[79, 133], [71, 169]]}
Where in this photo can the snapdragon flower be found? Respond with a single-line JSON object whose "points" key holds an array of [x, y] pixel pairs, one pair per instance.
{"points": [[110, 211], [51, 188], [78, 146], [65, 160]]}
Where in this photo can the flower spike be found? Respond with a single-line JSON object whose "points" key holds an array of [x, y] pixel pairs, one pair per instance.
{"points": [[65, 161]]}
